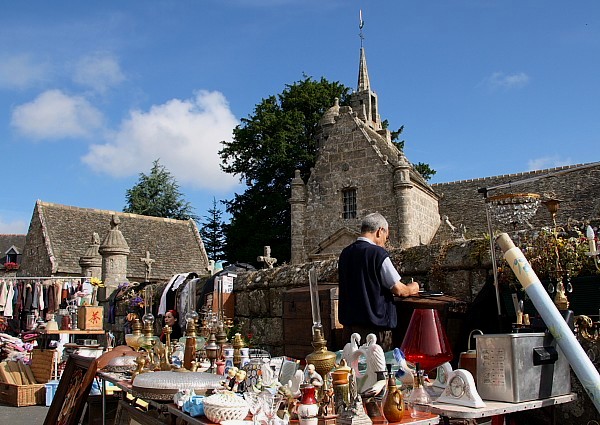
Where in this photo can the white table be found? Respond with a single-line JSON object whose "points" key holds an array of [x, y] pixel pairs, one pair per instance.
{"points": [[495, 408]]}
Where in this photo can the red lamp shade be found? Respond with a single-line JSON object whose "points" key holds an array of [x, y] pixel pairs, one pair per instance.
{"points": [[425, 341]]}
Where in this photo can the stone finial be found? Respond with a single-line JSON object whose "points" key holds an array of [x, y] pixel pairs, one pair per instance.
{"points": [[266, 258]]}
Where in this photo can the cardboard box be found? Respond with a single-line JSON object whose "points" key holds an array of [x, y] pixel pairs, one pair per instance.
{"points": [[90, 318]]}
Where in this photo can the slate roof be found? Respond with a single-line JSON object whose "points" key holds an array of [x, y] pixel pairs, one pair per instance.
{"points": [[175, 245], [577, 186]]}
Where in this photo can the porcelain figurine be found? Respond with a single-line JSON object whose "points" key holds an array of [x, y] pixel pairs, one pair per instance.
{"points": [[372, 381]]}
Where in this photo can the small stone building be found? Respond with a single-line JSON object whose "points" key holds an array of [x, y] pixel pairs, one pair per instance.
{"points": [[11, 249], [358, 171], [68, 241]]}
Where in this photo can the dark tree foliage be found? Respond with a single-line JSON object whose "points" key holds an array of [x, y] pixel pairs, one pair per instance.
{"points": [[212, 234], [157, 194], [424, 170], [266, 149]]}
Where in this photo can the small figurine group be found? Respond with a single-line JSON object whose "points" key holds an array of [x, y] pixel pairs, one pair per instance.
{"points": [[235, 380]]}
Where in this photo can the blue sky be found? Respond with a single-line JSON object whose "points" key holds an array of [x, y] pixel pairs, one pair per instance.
{"points": [[92, 92]]}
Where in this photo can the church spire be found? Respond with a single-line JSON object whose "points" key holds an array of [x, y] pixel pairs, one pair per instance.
{"points": [[363, 74], [364, 101]]}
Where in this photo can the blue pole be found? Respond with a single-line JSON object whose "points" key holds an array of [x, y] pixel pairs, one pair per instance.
{"points": [[574, 353]]}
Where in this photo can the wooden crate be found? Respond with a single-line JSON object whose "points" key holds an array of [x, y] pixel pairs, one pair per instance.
{"points": [[90, 318], [297, 320], [23, 395]]}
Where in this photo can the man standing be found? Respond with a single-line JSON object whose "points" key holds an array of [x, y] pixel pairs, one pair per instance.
{"points": [[367, 283]]}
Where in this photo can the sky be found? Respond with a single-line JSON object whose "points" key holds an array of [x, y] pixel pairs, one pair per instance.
{"points": [[91, 93]]}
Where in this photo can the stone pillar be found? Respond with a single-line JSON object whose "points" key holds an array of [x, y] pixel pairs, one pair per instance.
{"points": [[114, 251], [297, 214], [402, 187], [91, 261]]}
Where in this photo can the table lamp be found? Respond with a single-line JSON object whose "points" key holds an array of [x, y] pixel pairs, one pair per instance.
{"points": [[425, 341]]}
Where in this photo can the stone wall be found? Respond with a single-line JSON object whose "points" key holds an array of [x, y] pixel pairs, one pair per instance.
{"points": [[458, 269]]}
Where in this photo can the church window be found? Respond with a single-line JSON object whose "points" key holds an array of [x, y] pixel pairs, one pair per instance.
{"points": [[349, 198]]}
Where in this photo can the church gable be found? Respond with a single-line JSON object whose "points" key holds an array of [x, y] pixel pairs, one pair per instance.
{"points": [[332, 245]]}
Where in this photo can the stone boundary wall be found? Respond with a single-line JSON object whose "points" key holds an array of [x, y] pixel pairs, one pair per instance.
{"points": [[458, 268]]}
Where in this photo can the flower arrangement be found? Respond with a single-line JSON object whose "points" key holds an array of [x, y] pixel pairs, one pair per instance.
{"points": [[96, 283], [10, 265], [554, 254]]}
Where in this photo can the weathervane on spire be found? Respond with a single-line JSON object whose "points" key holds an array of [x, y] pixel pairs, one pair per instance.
{"points": [[361, 24]]}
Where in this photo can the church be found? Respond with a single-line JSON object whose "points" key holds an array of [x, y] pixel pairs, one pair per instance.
{"points": [[359, 170]]}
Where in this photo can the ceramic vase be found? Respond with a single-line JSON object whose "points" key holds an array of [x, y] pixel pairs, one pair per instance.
{"points": [[308, 408]]}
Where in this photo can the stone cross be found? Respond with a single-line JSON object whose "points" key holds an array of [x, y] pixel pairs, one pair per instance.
{"points": [[148, 263], [266, 258]]}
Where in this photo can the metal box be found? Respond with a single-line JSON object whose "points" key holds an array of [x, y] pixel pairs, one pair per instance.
{"points": [[520, 367]]}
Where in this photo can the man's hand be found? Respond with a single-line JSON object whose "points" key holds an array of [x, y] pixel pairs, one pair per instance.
{"points": [[405, 290], [413, 288]]}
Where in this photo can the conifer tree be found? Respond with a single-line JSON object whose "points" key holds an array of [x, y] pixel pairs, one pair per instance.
{"points": [[212, 234], [157, 194]]}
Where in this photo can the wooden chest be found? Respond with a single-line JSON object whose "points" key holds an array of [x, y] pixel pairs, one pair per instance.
{"points": [[297, 320]]}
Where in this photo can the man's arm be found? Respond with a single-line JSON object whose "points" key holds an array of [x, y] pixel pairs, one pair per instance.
{"points": [[403, 290], [392, 279]]}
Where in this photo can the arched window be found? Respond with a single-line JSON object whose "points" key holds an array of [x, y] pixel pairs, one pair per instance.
{"points": [[349, 201]]}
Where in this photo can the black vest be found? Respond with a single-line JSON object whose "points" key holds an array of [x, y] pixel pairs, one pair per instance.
{"points": [[363, 300]]}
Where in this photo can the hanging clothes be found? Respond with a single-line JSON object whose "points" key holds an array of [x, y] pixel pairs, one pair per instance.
{"points": [[3, 294], [167, 299], [10, 299]]}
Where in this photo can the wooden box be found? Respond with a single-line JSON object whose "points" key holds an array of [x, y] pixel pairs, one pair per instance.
{"points": [[23, 395], [297, 320], [90, 318]]}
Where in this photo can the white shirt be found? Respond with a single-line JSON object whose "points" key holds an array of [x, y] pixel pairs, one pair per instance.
{"points": [[388, 271]]}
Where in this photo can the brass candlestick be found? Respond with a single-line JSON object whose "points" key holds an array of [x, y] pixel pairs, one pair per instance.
{"points": [[212, 351], [189, 354], [238, 344]]}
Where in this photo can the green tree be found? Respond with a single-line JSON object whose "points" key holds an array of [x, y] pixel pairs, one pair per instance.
{"points": [[158, 195], [424, 170], [266, 149], [212, 234]]}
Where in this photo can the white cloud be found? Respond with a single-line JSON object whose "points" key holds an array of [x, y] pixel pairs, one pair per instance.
{"points": [[20, 72], [500, 80], [548, 162], [99, 71], [185, 135], [55, 115], [15, 227]]}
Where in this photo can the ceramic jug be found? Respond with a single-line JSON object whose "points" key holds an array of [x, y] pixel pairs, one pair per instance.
{"points": [[393, 403], [308, 408]]}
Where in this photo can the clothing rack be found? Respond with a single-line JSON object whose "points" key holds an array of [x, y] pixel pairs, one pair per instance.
{"points": [[45, 277]]}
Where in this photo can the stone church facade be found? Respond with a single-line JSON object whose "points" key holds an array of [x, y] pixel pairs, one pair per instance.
{"points": [[358, 171]]}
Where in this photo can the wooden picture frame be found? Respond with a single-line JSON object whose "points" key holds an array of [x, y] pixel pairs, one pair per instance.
{"points": [[73, 389]]}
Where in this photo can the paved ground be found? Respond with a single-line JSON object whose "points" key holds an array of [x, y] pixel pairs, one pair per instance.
{"points": [[28, 415]]}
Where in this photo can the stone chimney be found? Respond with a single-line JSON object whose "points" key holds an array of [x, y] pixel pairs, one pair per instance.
{"points": [[114, 251]]}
